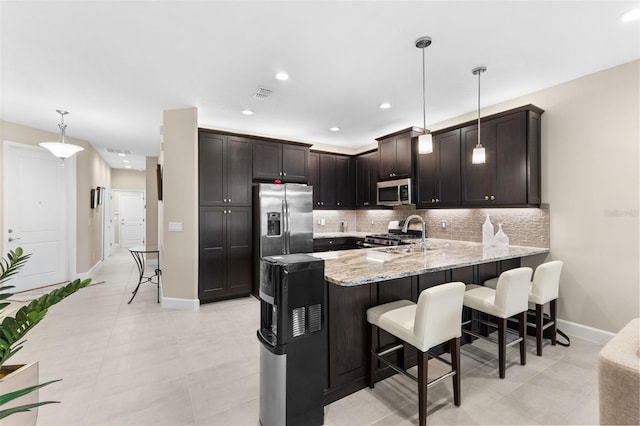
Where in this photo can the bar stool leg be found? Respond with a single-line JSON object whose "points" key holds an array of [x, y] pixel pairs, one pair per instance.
{"points": [[423, 360], [522, 332], [502, 345], [539, 324], [553, 308], [454, 349], [373, 361]]}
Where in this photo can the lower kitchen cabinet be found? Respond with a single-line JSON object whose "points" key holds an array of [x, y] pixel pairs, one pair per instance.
{"points": [[225, 262]]}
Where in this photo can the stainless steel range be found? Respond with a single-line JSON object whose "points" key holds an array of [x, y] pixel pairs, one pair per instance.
{"points": [[395, 236]]}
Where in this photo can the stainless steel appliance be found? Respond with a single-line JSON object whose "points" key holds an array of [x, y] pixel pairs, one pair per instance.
{"points": [[394, 236], [293, 361], [282, 222], [395, 192]]}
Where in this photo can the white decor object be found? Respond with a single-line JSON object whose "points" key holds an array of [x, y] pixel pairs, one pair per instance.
{"points": [[478, 156], [425, 141], [487, 232], [501, 238]]}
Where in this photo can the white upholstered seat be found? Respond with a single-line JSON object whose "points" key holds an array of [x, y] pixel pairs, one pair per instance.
{"points": [[543, 289], [435, 319], [508, 299]]}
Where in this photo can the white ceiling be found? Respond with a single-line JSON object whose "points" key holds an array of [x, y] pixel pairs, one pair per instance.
{"points": [[117, 65]]}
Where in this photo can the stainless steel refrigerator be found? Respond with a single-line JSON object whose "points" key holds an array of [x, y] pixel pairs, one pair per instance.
{"points": [[282, 222]]}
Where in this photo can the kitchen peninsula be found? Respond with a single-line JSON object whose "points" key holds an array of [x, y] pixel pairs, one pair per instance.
{"points": [[360, 279]]}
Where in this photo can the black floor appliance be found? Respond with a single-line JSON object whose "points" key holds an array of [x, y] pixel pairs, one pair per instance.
{"points": [[293, 365]]}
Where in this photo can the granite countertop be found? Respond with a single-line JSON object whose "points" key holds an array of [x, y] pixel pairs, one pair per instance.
{"points": [[364, 266], [339, 234]]}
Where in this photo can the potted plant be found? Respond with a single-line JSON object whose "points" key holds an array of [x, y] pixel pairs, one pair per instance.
{"points": [[16, 392]]}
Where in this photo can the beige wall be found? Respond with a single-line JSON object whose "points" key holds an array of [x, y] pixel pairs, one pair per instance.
{"points": [[590, 167], [128, 179], [179, 250], [152, 201], [91, 172]]}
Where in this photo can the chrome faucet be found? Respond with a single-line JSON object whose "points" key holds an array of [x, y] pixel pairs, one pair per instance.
{"points": [[424, 229]]}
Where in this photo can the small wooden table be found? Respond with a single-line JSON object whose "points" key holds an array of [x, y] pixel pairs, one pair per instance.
{"points": [[138, 253]]}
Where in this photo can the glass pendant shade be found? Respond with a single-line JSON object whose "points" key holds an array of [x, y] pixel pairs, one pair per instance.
{"points": [[61, 149], [478, 156], [425, 144]]}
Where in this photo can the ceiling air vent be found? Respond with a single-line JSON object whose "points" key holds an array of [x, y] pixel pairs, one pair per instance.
{"points": [[119, 151], [262, 93]]}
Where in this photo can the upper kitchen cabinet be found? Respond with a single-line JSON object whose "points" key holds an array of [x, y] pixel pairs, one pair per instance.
{"points": [[367, 179], [438, 173], [332, 178], [396, 153], [283, 161], [511, 174], [224, 168]]}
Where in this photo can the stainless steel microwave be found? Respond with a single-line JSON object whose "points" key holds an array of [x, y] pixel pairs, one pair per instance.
{"points": [[394, 192]]}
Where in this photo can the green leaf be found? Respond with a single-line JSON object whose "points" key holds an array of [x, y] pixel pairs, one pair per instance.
{"points": [[21, 392], [23, 408]]}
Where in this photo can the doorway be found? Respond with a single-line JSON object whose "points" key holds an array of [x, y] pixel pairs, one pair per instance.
{"points": [[39, 213], [108, 228], [131, 212]]}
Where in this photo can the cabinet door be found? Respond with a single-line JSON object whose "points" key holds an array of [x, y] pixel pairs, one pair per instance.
{"points": [[510, 159], [211, 167], [344, 182], [295, 163], [404, 155], [374, 165], [238, 250], [387, 158], [427, 179], [448, 154], [267, 160], [212, 263], [327, 181], [362, 181], [477, 179], [314, 177], [238, 171]]}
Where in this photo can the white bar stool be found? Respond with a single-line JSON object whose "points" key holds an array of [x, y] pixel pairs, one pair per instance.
{"points": [[544, 289], [508, 299], [435, 319]]}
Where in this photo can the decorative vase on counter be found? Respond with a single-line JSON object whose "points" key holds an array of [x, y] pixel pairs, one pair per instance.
{"points": [[487, 232], [501, 238]]}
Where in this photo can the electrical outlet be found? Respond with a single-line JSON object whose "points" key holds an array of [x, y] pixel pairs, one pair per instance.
{"points": [[444, 225]]}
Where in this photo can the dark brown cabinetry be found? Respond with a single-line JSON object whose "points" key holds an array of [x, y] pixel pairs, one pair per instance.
{"points": [[396, 154], [366, 179], [276, 160], [511, 174], [224, 188], [438, 173], [332, 178], [225, 253]]}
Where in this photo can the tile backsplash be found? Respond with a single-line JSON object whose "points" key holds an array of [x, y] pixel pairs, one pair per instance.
{"points": [[523, 226]]}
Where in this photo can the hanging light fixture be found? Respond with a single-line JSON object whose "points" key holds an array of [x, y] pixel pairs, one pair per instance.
{"points": [[425, 141], [478, 156], [61, 149]]}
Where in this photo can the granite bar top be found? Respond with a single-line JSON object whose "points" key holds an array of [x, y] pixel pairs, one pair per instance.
{"points": [[339, 234], [365, 266]]}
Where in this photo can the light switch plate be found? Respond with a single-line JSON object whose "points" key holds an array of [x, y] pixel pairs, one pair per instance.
{"points": [[175, 227]]}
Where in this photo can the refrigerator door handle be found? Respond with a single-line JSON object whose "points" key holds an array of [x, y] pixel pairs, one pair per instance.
{"points": [[287, 233]]}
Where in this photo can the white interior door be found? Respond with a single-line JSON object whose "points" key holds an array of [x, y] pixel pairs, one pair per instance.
{"points": [[107, 222], [36, 194], [132, 211]]}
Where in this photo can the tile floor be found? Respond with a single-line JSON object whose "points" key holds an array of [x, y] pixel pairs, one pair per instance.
{"points": [[140, 364]]}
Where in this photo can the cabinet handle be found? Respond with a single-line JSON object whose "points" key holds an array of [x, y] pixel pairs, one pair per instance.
{"points": [[229, 200], [338, 203], [493, 197], [437, 200], [366, 203], [433, 200], [284, 174], [224, 212], [224, 200], [280, 174], [322, 203], [486, 197]]}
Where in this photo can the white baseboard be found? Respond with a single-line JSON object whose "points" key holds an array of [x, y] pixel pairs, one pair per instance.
{"points": [[585, 332], [180, 304], [89, 273]]}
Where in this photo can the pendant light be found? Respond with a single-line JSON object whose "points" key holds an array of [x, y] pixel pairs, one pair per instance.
{"points": [[478, 156], [425, 141], [61, 149]]}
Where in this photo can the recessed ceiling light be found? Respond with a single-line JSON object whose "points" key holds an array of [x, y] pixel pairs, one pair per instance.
{"points": [[384, 105], [127, 167], [125, 161], [631, 15], [282, 76], [120, 155], [247, 112], [334, 129]]}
